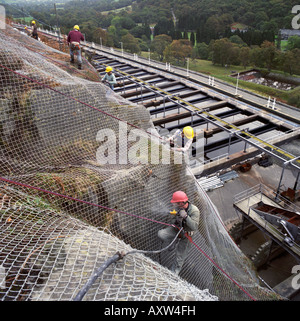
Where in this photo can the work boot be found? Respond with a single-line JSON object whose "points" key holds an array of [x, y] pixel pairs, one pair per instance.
{"points": [[79, 66]]}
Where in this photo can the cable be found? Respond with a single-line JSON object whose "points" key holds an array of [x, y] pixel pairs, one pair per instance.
{"points": [[157, 251], [118, 256]]}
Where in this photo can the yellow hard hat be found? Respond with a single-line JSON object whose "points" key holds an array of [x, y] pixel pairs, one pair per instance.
{"points": [[188, 132], [76, 27], [33, 21], [108, 69]]}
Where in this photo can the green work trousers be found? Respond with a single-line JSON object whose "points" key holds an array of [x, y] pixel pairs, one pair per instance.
{"points": [[182, 248]]}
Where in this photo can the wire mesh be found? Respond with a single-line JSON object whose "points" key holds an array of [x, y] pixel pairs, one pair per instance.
{"points": [[63, 213]]}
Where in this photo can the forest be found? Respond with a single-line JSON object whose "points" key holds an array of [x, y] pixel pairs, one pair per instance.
{"points": [[227, 32]]}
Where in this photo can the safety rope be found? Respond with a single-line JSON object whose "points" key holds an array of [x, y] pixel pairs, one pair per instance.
{"points": [[89, 203], [118, 256], [127, 213], [79, 200]]}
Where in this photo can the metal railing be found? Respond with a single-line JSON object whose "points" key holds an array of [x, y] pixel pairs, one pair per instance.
{"points": [[272, 194]]}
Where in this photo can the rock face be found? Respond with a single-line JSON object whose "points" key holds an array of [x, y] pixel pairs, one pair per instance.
{"points": [[55, 255], [59, 202], [133, 278]]}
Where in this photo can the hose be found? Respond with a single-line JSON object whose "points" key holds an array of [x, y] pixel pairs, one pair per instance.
{"points": [[118, 256]]}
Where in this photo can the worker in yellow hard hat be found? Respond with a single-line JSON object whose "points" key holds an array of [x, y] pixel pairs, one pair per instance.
{"points": [[74, 38], [28, 32], [34, 33], [109, 78], [182, 138]]}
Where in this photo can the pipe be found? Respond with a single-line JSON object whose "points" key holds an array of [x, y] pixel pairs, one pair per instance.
{"points": [[118, 256], [91, 281]]}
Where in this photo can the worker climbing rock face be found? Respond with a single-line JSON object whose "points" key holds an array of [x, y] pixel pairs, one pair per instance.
{"points": [[187, 217], [74, 39], [109, 78]]}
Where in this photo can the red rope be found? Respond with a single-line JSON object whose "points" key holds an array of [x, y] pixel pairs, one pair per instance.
{"points": [[123, 212], [231, 279], [78, 200], [89, 203]]}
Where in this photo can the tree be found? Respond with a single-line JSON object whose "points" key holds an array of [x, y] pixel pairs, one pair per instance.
{"points": [[221, 51], [237, 40], [269, 54], [192, 39], [290, 61], [130, 43], [256, 56], [202, 49], [159, 44], [244, 56], [105, 39], [178, 51], [293, 43]]}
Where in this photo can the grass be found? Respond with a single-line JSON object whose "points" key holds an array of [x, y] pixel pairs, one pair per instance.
{"points": [[26, 19], [127, 8], [223, 73]]}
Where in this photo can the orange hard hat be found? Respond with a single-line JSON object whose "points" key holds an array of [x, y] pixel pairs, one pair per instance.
{"points": [[179, 196]]}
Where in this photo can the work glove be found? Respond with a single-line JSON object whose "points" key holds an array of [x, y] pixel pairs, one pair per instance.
{"points": [[183, 214]]}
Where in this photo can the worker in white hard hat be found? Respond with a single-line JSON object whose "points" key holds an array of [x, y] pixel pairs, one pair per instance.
{"points": [[74, 38], [109, 78], [182, 140]]}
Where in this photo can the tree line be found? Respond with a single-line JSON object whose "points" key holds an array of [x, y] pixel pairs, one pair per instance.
{"points": [[230, 51], [182, 29]]}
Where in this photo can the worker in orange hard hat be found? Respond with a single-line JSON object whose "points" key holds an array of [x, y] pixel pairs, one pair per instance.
{"points": [[109, 78], [187, 217]]}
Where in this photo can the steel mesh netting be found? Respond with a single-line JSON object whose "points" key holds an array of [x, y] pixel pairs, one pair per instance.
{"points": [[63, 213]]}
